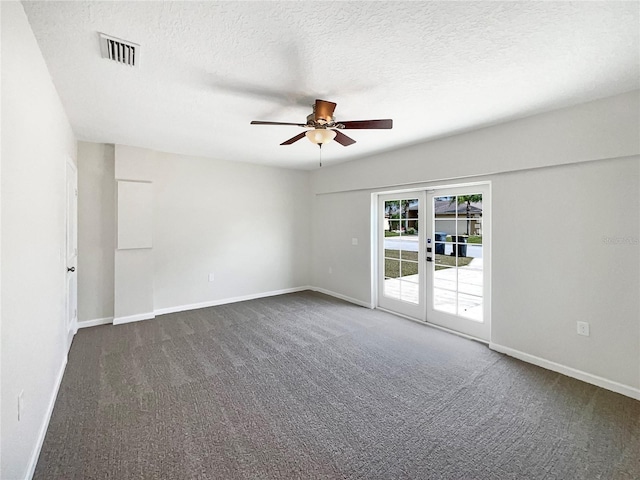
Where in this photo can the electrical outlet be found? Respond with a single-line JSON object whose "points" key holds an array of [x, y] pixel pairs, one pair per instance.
{"points": [[354, 241], [211, 277], [20, 405], [583, 329]]}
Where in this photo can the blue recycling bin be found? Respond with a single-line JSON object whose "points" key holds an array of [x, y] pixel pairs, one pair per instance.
{"points": [[440, 237]]}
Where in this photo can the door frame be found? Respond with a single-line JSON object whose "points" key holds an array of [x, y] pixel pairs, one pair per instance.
{"points": [[71, 295], [375, 249]]}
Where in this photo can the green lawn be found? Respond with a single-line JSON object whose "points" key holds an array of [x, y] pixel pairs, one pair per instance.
{"points": [[410, 267], [392, 267], [470, 239]]}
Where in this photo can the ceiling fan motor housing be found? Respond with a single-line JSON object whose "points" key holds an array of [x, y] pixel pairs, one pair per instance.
{"points": [[320, 122]]}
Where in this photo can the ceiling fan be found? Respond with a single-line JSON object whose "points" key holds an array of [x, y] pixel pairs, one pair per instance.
{"points": [[323, 127]]}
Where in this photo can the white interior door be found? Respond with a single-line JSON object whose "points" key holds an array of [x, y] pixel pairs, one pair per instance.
{"points": [[400, 258], [458, 260], [71, 250]]}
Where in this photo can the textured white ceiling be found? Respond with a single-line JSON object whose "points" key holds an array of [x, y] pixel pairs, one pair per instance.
{"points": [[207, 69]]}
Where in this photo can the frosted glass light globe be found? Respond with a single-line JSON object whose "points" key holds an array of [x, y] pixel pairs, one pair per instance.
{"points": [[320, 135]]}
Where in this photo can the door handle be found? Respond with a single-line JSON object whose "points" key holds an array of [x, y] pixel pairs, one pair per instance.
{"points": [[71, 269]]}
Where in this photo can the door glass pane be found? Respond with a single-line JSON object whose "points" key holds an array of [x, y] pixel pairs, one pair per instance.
{"points": [[392, 288], [445, 278], [444, 300], [391, 268], [409, 291], [470, 306], [409, 271], [407, 213], [470, 281], [410, 255], [444, 207], [448, 259]]}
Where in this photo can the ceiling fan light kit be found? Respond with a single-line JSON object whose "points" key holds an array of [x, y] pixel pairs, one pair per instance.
{"points": [[320, 135]]}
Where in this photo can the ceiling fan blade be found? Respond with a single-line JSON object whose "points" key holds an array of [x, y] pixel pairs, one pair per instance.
{"points": [[294, 139], [258, 122], [368, 124], [324, 110], [343, 140]]}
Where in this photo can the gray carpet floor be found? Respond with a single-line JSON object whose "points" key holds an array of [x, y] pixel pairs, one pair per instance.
{"points": [[307, 386]]}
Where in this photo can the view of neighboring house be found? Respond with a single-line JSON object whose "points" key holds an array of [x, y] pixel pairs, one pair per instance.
{"points": [[469, 217], [405, 217]]}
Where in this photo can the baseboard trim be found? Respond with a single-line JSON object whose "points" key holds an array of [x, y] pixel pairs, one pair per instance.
{"points": [[95, 322], [569, 371], [33, 461], [341, 297], [223, 301], [433, 325], [133, 318]]}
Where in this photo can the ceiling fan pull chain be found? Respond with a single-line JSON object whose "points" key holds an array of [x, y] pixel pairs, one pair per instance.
{"points": [[320, 145]]}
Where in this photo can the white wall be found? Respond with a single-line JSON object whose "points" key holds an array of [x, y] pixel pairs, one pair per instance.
{"points": [[96, 230], [248, 225], [606, 128], [36, 142], [553, 265], [133, 285], [133, 277], [566, 177], [337, 219]]}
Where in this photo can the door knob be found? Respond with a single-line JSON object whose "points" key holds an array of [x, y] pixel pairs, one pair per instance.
{"points": [[71, 269]]}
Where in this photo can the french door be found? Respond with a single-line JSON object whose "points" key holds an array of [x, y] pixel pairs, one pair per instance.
{"points": [[400, 256], [434, 257], [459, 260]]}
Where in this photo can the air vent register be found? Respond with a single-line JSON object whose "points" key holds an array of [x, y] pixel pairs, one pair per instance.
{"points": [[118, 50]]}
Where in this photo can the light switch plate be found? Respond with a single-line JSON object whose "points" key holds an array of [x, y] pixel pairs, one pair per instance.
{"points": [[20, 405]]}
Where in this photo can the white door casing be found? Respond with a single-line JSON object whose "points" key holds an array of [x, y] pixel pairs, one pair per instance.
{"points": [[448, 280], [71, 251]]}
